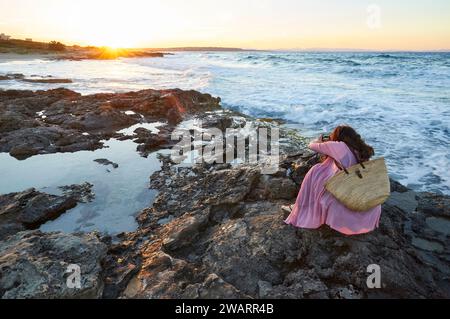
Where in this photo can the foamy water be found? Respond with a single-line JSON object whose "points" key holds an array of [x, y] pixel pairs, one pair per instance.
{"points": [[400, 102]]}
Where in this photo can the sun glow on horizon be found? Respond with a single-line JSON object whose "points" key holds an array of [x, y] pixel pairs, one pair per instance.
{"points": [[259, 24], [117, 26]]}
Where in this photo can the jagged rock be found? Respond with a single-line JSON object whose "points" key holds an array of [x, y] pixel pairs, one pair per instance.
{"points": [[299, 165], [31, 208], [27, 142], [106, 162], [213, 287], [264, 288], [217, 225], [81, 192], [221, 187], [149, 142], [35, 265], [397, 187], [11, 76], [186, 231], [48, 81], [61, 120], [434, 204], [279, 188]]}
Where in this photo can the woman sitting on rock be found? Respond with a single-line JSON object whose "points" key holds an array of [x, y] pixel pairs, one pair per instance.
{"points": [[315, 206]]}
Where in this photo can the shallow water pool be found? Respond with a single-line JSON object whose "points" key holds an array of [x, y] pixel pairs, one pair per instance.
{"points": [[119, 193]]}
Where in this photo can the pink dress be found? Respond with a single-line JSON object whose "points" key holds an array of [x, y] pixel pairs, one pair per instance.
{"points": [[315, 206]]}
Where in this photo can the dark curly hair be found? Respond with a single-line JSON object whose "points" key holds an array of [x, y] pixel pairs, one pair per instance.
{"points": [[354, 141]]}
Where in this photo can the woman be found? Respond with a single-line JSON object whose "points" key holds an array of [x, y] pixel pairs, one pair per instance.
{"points": [[315, 206]]}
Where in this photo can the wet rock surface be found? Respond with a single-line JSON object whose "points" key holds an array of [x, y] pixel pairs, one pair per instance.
{"points": [[34, 79], [106, 162], [61, 120], [150, 142], [49, 81], [83, 193], [36, 265], [31, 208]]}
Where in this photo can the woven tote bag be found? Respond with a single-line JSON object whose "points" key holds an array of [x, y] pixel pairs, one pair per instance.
{"points": [[361, 187]]}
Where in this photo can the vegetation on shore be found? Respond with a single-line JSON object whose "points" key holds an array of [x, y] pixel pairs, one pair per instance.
{"points": [[75, 52], [29, 47]]}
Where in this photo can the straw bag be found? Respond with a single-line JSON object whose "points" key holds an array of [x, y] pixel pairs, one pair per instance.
{"points": [[361, 187]]}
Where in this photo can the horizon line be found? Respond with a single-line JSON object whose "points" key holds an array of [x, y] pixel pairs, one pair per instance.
{"points": [[226, 48], [294, 49]]}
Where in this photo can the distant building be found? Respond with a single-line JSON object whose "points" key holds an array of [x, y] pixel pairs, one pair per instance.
{"points": [[4, 37], [29, 39]]}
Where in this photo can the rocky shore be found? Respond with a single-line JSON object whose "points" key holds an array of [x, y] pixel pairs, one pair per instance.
{"points": [[19, 49], [33, 79], [214, 231], [218, 232], [107, 54], [31, 208], [60, 120]]}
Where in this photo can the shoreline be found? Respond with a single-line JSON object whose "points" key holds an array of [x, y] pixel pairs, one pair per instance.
{"points": [[80, 55], [213, 231]]}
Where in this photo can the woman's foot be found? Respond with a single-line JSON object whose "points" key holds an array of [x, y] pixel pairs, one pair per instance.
{"points": [[287, 208]]}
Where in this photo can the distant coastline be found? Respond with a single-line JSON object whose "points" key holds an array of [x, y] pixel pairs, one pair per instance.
{"points": [[220, 49], [14, 48]]}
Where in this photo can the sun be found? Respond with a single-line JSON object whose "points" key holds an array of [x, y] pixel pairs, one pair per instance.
{"points": [[113, 23]]}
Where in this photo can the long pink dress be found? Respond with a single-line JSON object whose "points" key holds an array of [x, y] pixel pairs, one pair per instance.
{"points": [[315, 206]]}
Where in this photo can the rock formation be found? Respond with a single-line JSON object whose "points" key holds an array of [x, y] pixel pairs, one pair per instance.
{"points": [[61, 120], [218, 232], [214, 230], [36, 265], [31, 208]]}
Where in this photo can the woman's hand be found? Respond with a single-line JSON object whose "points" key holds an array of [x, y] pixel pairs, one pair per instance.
{"points": [[320, 139], [324, 138]]}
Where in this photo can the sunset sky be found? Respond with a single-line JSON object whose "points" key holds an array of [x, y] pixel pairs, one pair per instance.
{"points": [[259, 24]]}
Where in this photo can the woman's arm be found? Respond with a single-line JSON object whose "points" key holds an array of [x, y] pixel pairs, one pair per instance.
{"points": [[335, 150]]}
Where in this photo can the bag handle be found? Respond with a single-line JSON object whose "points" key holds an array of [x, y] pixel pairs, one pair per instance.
{"points": [[342, 167], [357, 157]]}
